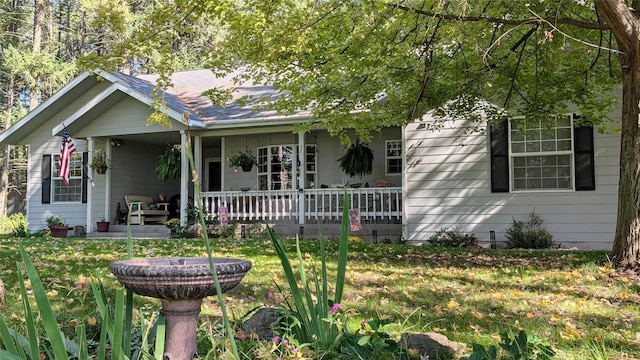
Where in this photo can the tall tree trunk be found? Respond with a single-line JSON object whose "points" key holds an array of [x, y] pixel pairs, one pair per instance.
{"points": [[10, 91], [6, 151], [39, 12], [625, 25], [626, 244]]}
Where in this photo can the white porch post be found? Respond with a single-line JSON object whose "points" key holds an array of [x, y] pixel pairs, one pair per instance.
{"points": [[184, 178], [197, 157], [223, 162], [90, 146], [197, 161], [302, 177], [405, 201], [107, 183]]}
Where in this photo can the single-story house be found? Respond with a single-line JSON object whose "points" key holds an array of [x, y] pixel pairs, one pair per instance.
{"points": [[422, 180], [295, 185]]}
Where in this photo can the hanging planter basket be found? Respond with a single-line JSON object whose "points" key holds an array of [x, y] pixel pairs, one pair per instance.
{"points": [[357, 160], [101, 169], [244, 160]]}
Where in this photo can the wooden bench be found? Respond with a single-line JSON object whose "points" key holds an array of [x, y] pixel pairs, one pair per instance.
{"points": [[143, 209]]}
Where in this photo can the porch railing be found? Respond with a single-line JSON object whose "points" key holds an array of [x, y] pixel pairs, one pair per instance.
{"points": [[379, 203]]}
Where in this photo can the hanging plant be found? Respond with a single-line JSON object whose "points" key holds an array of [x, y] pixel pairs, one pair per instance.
{"points": [[99, 162], [168, 164], [357, 160], [245, 160]]}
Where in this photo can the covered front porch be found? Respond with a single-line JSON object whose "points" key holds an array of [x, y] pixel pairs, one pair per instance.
{"points": [[295, 182]]}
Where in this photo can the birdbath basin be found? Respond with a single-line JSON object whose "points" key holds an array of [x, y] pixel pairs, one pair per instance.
{"points": [[180, 284]]}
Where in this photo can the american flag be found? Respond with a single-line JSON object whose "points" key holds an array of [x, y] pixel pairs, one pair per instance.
{"points": [[66, 150]]}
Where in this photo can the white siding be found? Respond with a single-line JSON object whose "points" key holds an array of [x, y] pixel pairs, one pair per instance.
{"points": [[44, 144], [125, 117], [448, 184]]}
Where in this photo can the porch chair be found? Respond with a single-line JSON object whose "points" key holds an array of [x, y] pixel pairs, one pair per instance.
{"points": [[143, 209]]}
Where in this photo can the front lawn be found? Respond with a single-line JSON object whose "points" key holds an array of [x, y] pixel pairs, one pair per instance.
{"points": [[573, 299]]}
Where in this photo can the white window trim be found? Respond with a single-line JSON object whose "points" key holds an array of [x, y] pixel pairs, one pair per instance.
{"points": [[55, 178], [295, 172], [387, 157], [571, 154]]}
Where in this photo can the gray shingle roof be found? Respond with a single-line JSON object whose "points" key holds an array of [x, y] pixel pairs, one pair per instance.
{"points": [[186, 94]]}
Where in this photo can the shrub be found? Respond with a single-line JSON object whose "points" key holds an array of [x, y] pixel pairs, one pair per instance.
{"points": [[454, 237], [530, 234], [520, 347], [14, 225]]}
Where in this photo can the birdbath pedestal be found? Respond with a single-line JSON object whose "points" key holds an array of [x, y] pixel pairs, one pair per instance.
{"points": [[180, 284]]}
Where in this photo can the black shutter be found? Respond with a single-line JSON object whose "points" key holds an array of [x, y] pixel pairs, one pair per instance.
{"points": [[583, 157], [499, 157], [46, 179], [85, 176]]}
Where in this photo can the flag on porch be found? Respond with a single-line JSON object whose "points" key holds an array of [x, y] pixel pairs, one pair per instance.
{"points": [[64, 164]]}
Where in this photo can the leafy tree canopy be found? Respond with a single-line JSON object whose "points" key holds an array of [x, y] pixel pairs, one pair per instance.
{"points": [[400, 59]]}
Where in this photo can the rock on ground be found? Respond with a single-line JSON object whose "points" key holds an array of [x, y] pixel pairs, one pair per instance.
{"points": [[433, 344]]}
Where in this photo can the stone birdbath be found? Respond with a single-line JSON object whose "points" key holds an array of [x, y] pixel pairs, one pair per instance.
{"points": [[180, 284]]}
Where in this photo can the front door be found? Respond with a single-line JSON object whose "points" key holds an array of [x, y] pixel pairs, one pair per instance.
{"points": [[214, 176]]}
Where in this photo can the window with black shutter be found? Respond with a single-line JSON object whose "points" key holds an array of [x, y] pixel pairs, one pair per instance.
{"points": [[535, 157]]}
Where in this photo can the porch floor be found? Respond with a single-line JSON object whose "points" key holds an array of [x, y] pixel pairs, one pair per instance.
{"points": [[137, 232]]}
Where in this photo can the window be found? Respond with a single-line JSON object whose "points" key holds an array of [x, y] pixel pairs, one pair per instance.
{"points": [[540, 158], [67, 193], [310, 161], [277, 163], [393, 157]]}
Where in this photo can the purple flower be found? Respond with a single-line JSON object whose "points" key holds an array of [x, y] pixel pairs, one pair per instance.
{"points": [[334, 309], [276, 339]]}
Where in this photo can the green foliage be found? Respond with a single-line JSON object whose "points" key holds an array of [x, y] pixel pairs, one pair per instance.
{"points": [[530, 234], [242, 159], [212, 224], [453, 237], [14, 225], [54, 222], [355, 59], [357, 160], [520, 347], [168, 164], [369, 341], [312, 305], [99, 160]]}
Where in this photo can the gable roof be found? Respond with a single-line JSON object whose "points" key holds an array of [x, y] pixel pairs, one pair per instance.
{"points": [[185, 96]]}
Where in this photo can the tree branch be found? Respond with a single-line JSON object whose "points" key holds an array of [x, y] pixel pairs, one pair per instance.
{"points": [[494, 20]]}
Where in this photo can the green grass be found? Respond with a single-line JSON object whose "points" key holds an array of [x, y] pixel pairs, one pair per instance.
{"points": [[573, 299]]}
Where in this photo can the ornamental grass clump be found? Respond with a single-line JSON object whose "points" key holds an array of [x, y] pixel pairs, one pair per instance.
{"points": [[311, 303]]}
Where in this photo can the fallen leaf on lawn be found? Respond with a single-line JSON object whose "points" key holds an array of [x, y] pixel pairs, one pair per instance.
{"points": [[453, 304]]}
